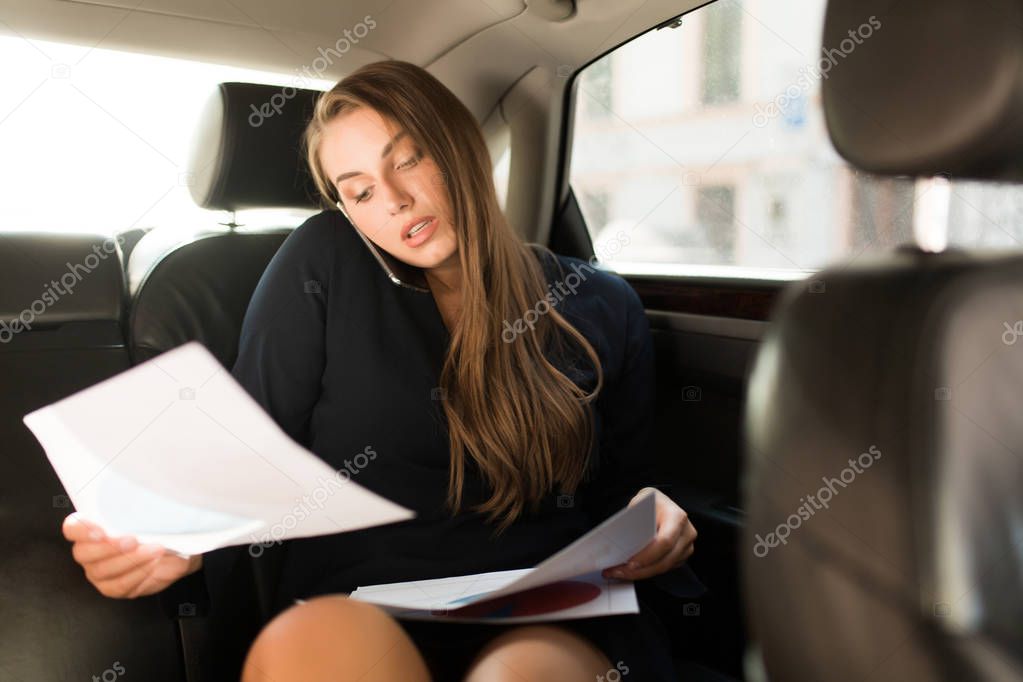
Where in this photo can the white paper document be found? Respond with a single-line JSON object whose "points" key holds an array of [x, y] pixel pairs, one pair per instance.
{"points": [[175, 452], [566, 585]]}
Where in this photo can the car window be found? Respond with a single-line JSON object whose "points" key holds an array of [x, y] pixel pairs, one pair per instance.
{"points": [[102, 139], [703, 149]]}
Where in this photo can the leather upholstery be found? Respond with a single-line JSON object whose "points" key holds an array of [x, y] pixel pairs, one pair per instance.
{"points": [[911, 568], [936, 88], [55, 625], [242, 158], [52, 278], [198, 291], [246, 154]]}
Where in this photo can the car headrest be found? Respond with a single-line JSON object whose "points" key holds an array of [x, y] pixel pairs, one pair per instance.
{"points": [[884, 533], [50, 279], [247, 149], [926, 87], [197, 290]]}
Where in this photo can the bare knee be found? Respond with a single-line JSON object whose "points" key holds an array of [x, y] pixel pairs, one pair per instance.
{"points": [[335, 638], [538, 652]]}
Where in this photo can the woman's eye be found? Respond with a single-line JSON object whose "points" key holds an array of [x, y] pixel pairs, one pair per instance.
{"points": [[405, 164], [411, 162]]}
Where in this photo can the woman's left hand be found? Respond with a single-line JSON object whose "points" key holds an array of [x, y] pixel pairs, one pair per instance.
{"points": [[671, 546]]}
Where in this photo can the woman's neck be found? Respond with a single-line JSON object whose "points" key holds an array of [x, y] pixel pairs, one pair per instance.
{"points": [[445, 282], [445, 279]]}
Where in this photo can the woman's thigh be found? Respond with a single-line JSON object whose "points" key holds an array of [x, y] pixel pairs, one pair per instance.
{"points": [[333, 638], [537, 653]]}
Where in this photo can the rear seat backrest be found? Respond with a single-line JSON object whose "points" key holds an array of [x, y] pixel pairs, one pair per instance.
{"points": [[62, 302], [196, 291]]}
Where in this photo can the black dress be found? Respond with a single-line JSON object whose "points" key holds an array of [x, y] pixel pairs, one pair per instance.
{"points": [[347, 363]]}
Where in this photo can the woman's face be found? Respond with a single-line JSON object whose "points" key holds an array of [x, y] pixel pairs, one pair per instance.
{"points": [[389, 187]]}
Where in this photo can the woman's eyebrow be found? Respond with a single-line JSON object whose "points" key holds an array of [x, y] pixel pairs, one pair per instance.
{"points": [[387, 150]]}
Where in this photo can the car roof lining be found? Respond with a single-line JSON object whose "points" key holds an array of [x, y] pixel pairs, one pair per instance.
{"points": [[457, 39], [489, 53]]}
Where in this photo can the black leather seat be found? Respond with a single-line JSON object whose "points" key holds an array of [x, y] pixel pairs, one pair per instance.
{"points": [[199, 289], [891, 399], [885, 530], [70, 289]]}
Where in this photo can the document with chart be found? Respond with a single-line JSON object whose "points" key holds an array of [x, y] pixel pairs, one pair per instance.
{"points": [[567, 585]]}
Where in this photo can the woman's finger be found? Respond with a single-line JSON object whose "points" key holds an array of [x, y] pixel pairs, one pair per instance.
{"points": [[140, 588], [127, 584], [663, 565], [89, 551], [662, 554], [668, 535], [122, 564], [628, 570], [76, 529]]}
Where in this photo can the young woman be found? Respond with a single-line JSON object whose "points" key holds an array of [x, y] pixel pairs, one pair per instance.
{"points": [[502, 392]]}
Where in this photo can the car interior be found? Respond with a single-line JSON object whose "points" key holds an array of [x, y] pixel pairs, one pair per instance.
{"points": [[817, 204]]}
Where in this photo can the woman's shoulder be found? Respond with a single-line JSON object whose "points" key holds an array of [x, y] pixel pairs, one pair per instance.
{"points": [[316, 234], [584, 284], [602, 305], [324, 241]]}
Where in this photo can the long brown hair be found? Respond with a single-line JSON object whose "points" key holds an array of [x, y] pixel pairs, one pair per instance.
{"points": [[524, 423]]}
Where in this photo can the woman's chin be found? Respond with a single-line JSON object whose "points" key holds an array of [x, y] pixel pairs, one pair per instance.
{"points": [[428, 258]]}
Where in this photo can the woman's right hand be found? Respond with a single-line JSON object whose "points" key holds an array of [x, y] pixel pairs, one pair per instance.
{"points": [[121, 567]]}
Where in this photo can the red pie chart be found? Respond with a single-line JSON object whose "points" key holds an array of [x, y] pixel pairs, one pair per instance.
{"points": [[556, 596]]}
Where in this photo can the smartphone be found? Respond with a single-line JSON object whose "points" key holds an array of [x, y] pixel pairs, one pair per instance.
{"points": [[399, 272]]}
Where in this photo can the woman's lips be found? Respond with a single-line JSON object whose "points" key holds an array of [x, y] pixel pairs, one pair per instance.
{"points": [[423, 234]]}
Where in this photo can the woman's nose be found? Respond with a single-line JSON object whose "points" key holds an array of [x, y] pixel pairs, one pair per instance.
{"points": [[397, 200]]}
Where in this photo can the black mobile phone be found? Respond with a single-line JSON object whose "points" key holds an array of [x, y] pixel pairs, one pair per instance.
{"points": [[399, 272]]}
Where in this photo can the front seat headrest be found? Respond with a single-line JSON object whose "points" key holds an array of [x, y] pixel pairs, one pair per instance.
{"points": [[926, 87], [884, 537], [246, 152]]}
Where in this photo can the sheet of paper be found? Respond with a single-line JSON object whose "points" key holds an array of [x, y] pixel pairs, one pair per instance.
{"points": [[176, 452], [612, 542], [583, 596]]}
